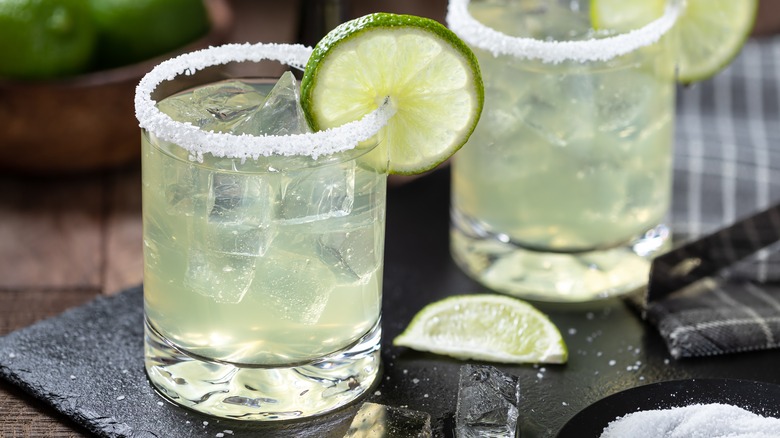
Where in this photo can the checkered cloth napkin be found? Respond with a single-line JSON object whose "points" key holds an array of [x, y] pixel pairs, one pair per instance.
{"points": [[727, 167], [720, 293]]}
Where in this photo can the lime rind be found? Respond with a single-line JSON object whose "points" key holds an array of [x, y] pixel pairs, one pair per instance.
{"points": [[702, 61], [709, 33], [45, 39], [488, 327], [428, 75]]}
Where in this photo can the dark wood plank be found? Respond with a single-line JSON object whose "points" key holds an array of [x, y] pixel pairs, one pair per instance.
{"points": [[123, 263], [20, 308], [50, 232], [24, 417]]}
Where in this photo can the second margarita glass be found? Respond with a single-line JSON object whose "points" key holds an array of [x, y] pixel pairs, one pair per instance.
{"points": [[561, 192]]}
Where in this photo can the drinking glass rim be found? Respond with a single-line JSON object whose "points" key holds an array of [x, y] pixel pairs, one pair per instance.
{"points": [[262, 164], [478, 35], [244, 146]]}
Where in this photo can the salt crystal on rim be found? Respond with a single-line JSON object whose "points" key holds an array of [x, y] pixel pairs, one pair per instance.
{"points": [[199, 142], [553, 52]]}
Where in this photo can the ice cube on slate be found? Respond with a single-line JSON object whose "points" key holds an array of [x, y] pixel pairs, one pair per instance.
{"points": [[379, 421], [487, 403]]}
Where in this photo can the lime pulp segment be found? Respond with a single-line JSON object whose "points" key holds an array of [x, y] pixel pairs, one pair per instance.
{"points": [[488, 327], [709, 33]]}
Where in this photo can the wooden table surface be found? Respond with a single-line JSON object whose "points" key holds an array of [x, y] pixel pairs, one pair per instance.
{"points": [[66, 240]]}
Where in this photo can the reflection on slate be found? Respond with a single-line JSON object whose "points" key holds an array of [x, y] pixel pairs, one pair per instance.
{"points": [[487, 403], [380, 421], [720, 294], [88, 364]]}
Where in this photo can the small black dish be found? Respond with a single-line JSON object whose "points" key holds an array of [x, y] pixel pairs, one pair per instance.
{"points": [[758, 397]]}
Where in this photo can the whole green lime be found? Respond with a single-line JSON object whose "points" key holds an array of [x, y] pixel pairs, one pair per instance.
{"points": [[45, 38], [135, 30]]}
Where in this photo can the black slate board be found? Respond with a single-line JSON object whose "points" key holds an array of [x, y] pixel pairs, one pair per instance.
{"points": [[611, 349], [757, 397], [88, 364]]}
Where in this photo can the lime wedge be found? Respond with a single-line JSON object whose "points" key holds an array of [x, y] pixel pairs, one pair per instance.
{"points": [[710, 33], [494, 328], [417, 65]]}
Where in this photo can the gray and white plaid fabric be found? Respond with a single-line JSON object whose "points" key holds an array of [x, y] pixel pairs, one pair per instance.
{"points": [[727, 166], [719, 294], [727, 158], [721, 317]]}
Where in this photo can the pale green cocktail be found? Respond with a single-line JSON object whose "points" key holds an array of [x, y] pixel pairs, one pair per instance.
{"points": [[270, 262], [560, 192], [262, 262]]}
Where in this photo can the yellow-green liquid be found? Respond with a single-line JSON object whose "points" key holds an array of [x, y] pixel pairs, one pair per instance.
{"points": [[260, 263], [569, 158]]}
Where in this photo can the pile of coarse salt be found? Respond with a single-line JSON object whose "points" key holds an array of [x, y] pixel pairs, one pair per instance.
{"points": [[714, 420], [478, 35], [244, 146]]}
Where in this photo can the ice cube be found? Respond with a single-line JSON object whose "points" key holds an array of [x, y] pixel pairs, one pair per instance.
{"points": [[225, 278], [240, 214], [228, 192], [503, 111], [296, 286], [559, 109], [487, 403], [380, 421], [182, 182], [624, 102], [230, 102], [217, 107], [181, 107], [240, 239], [317, 193], [352, 253], [280, 114]]}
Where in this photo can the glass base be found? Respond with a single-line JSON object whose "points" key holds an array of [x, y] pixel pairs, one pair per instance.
{"points": [[262, 393], [556, 277]]}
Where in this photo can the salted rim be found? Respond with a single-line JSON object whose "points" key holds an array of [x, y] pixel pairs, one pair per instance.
{"points": [[244, 146], [553, 52]]}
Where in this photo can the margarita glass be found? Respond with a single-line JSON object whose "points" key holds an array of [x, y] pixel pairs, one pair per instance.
{"points": [[263, 253], [561, 192]]}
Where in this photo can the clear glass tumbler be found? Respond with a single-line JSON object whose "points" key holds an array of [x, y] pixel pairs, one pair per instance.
{"points": [[561, 192], [263, 255]]}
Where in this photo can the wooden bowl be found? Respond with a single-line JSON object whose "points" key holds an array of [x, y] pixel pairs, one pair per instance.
{"points": [[85, 122]]}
